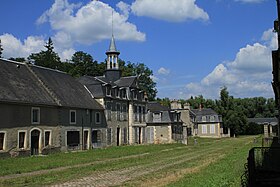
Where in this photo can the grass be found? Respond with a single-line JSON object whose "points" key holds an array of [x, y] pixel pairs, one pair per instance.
{"points": [[211, 162]]}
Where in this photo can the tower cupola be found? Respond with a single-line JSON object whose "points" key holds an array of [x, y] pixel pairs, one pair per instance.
{"points": [[112, 56]]}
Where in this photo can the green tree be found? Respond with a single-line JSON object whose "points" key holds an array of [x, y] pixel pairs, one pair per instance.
{"points": [[83, 64], [48, 58], [18, 59]]}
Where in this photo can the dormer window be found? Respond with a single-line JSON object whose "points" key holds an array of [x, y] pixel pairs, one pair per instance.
{"points": [[203, 119], [212, 118], [117, 92], [123, 93], [156, 117], [135, 95], [108, 91]]}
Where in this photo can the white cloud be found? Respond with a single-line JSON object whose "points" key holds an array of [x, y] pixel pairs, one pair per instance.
{"points": [[13, 47], [163, 71], [248, 75], [90, 23], [172, 11]]}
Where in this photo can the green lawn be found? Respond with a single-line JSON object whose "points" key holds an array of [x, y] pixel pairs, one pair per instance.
{"points": [[211, 162]]}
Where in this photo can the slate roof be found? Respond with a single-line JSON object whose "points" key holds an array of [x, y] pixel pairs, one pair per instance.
{"points": [[22, 83], [67, 89], [203, 112], [156, 107], [94, 86], [272, 121], [126, 81], [17, 84]]}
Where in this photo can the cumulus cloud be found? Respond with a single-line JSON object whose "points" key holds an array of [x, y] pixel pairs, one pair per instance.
{"points": [[163, 71], [248, 75], [90, 23], [172, 11], [14, 47]]}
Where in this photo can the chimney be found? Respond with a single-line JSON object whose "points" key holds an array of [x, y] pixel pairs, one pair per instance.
{"points": [[200, 107], [187, 106]]}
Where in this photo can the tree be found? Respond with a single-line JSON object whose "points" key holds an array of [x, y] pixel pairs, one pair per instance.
{"points": [[1, 49], [18, 59], [83, 64], [48, 58]]}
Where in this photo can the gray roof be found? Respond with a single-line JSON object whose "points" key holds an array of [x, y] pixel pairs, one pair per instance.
{"points": [[203, 112], [17, 84], [93, 85], [67, 89], [156, 107], [126, 81], [272, 121], [26, 83]]}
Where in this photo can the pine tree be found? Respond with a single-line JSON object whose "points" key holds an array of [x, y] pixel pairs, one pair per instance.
{"points": [[48, 58]]}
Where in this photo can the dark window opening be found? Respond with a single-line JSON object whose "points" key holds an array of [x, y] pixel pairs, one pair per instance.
{"points": [[73, 138], [72, 116], [2, 136], [21, 138], [35, 115], [47, 138], [97, 118]]}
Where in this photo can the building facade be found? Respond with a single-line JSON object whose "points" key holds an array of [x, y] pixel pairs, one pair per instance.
{"points": [[123, 101], [44, 110]]}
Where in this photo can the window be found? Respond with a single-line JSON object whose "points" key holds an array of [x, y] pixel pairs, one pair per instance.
{"points": [[108, 91], [123, 93], [212, 129], [73, 139], [35, 115], [72, 116], [2, 138], [135, 113], [21, 140], [117, 93], [97, 118], [108, 111], [204, 129], [144, 114], [157, 117], [135, 95], [203, 119], [118, 111], [140, 113], [212, 118], [124, 110], [47, 138]]}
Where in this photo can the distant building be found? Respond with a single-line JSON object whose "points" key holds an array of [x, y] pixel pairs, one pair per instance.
{"points": [[207, 123], [165, 125]]}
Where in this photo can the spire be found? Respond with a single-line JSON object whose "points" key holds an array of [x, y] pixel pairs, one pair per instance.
{"points": [[112, 47]]}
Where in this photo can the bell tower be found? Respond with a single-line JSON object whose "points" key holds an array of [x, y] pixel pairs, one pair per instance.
{"points": [[112, 72]]}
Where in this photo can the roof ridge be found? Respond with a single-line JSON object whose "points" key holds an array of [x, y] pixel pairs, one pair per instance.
{"points": [[49, 91]]}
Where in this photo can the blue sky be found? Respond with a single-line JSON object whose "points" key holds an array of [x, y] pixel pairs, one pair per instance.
{"points": [[194, 47]]}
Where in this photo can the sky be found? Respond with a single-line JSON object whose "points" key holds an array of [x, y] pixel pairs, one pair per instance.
{"points": [[193, 47]]}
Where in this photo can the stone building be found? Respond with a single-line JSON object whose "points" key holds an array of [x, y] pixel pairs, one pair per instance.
{"points": [[123, 101], [207, 123], [164, 125], [44, 110]]}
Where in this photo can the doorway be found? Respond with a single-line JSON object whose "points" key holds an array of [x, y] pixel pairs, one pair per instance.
{"points": [[118, 136], [35, 137]]}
